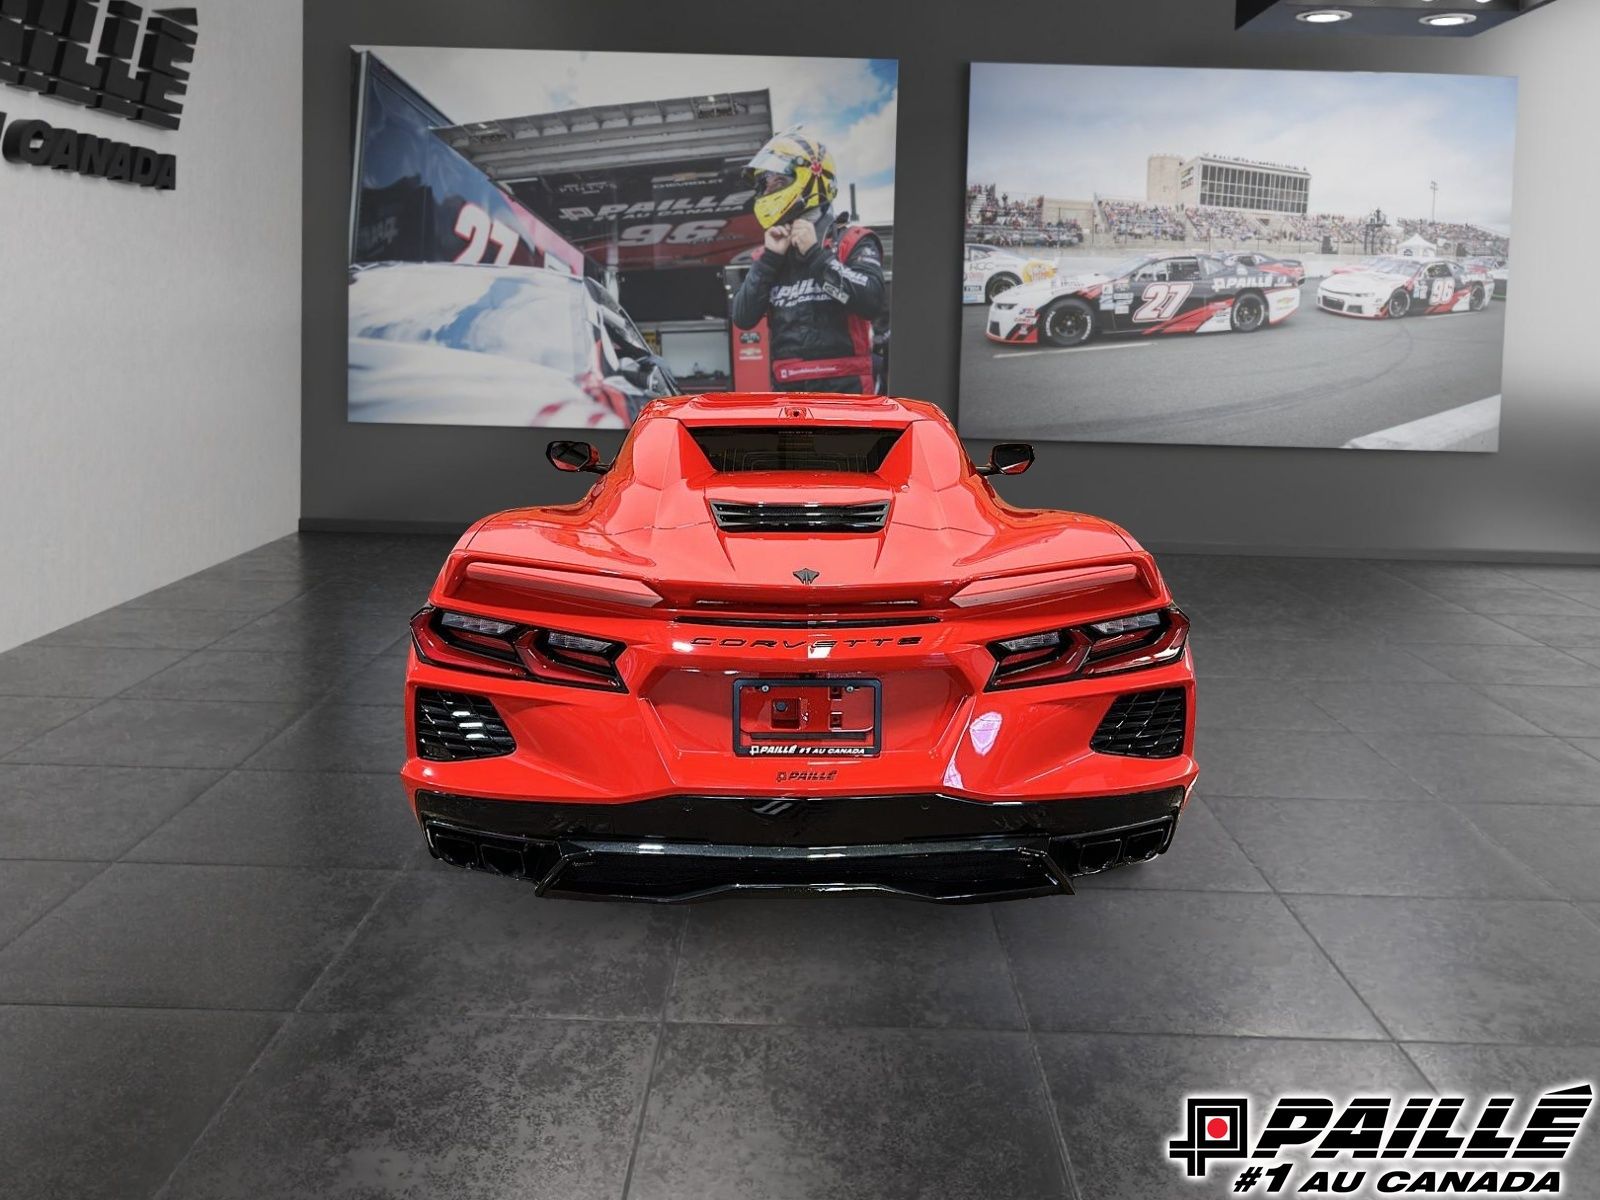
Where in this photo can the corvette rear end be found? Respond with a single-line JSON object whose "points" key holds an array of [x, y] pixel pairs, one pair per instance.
{"points": [[790, 643]]}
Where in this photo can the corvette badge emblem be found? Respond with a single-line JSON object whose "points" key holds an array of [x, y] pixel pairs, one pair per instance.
{"points": [[805, 575]]}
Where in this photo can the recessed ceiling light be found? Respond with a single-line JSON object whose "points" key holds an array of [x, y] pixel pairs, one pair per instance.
{"points": [[1323, 16], [1444, 20]]}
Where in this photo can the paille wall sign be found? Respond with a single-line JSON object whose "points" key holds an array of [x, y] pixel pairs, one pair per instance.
{"points": [[119, 61]]}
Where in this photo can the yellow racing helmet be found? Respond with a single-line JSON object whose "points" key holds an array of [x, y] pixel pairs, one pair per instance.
{"points": [[791, 174]]}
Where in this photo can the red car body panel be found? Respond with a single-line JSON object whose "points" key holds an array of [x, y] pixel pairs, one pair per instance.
{"points": [[912, 609]]}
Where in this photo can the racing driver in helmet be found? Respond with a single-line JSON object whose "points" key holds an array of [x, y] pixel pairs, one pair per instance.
{"points": [[817, 281]]}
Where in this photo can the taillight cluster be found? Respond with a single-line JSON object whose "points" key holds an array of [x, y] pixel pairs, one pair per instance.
{"points": [[489, 647], [1145, 639]]}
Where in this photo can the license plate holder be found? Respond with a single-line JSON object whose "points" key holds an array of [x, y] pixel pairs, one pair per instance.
{"points": [[808, 718]]}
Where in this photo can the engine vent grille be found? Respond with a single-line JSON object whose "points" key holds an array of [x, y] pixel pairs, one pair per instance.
{"points": [[1143, 725], [453, 725], [732, 517]]}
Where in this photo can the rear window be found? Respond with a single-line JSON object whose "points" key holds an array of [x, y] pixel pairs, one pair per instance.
{"points": [[851, 448]]}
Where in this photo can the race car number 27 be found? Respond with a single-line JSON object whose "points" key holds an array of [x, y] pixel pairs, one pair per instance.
{"points": [[1162, 301]]}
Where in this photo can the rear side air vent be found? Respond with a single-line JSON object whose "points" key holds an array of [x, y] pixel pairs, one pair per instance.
{"points": [[1143, 725], [454, 725], [799, 518]]}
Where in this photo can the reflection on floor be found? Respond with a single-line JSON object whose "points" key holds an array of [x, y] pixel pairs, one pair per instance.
{"points": [[226, 969]]}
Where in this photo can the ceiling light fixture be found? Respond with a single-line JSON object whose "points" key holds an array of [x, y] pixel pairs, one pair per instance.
{"points": [[1446, 20], [1324, 16]]}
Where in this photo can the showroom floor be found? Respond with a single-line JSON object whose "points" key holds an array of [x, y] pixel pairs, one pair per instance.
{"points": [[228, 970]]}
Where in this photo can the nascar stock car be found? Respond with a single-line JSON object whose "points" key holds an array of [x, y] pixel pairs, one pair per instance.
{"points": [[1153, 294], [987, 271], [1391, 286], [797, 642], [1291, 269]]}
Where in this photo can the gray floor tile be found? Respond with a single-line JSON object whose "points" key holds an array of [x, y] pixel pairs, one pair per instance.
{"points": [[150, 628], [849, 961], [1511, 770], [248, 675], [29, 890], [1203, 857], [1526, 1072], [1509, 664], [1500, 602], [1560, 843], [206, 590], [1567, 711], [338, 737], [188, 937], [93, 672], [1525, 971], [1590, 746], [1415, 708], [1363, 847], [1559, 630], [1555, 575], [353, 1108], [159, 733], [525, 955], [23, 718], [91, 813], [1120, 1098], [100, 1104], [1457, 628], [1301, 620], [290, 819], [305, 627], [1149, 962], [1336, 662], [381, 682], [787, 1114], [1258, 704], [1331, 766], [1442, 578]]}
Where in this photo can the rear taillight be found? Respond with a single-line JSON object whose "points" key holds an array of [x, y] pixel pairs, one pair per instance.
{"points": [[1130, 643], [486, 646]]}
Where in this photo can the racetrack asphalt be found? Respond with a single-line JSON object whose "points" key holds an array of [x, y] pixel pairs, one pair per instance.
{"points": [[1317, 379]]}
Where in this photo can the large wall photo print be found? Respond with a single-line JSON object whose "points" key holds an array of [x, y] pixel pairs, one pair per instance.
{"points": [[554, 238], [1236, 258]]}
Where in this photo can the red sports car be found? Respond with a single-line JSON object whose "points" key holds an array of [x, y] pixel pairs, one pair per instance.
{"points": [[797, 642]]}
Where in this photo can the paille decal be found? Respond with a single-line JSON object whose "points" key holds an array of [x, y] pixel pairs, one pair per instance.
{"points": [[119, 62]]}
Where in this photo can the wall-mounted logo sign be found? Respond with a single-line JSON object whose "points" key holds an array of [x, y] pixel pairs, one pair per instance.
{"points": [[51, 47], [40, 144], [119, 62]]}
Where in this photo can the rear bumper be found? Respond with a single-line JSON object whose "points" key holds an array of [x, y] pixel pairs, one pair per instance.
{"points": [[931, 847]]}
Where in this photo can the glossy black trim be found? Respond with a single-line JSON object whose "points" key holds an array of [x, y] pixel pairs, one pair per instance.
{"points": [[923, 861], [777, 820]]}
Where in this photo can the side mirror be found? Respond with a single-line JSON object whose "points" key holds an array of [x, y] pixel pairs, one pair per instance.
{"points": [[1008, 458], [575, 456]]}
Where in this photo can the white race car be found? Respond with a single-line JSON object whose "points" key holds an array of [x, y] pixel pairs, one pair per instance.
{"points": [[1155, 294], [1394, 287], [987, 271]]}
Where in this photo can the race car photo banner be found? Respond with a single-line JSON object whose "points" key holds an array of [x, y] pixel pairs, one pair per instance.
{"points": [[1347, 237], [555, 238]]}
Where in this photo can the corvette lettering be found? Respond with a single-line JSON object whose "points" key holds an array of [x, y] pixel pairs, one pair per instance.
{"points": [[803, 643]]}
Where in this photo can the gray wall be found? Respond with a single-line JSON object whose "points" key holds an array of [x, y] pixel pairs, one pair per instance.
{"points": [[152, 341], [1539, 496]]}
